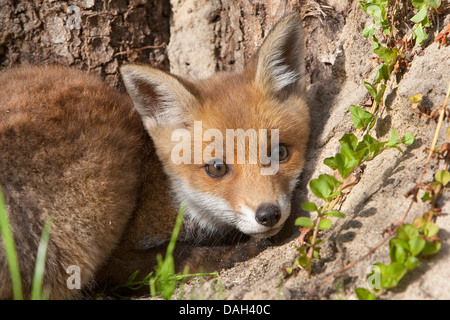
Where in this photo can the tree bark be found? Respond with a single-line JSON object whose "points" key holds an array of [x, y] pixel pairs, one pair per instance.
{"points": [[94, 35]]}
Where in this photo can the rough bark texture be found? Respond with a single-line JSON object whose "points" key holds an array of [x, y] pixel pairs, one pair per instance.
{"points": [[94, 35]]}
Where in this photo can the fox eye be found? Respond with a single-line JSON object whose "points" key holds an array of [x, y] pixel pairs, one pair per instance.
{"points": [[216, 169], [280, 152]]}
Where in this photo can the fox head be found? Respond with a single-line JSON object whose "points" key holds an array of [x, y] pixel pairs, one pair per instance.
{"points": [[204, 133]]}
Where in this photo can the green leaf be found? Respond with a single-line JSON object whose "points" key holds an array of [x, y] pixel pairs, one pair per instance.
{"points": [[394, 274], [431, 248], [380, 94], [363, 5], [309, 206], [393, 139], [407, 232], [346, 161], [433, 3], [385, 54], [420, 34], [415, 98], [324, 186], [361, 118], [349, 139], [331, 162], [421, 15], [368, 31], [416, 245], [430, 229], [364, 294], [418, 3], [408, 139], [372, 145], [411, 263], [426, 196], [443, 177], [383, 73], [398, 250], [316, 252], [304, 222], [325, 224], [372, 90], [335, 213]]}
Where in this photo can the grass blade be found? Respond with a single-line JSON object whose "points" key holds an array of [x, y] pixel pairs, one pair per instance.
{"points": [[39, 269], [10, 250]]}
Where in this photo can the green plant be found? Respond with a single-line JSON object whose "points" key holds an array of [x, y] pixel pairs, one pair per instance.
{"points": [[39, 270], [11, 257], [353, 154], [163, 281], [406, 247], [353, 151], [412, 241], [10, 251], [421, 19], [379, 9]]}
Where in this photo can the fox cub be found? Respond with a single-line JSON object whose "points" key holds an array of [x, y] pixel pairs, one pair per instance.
{"points": [[111, 170]]}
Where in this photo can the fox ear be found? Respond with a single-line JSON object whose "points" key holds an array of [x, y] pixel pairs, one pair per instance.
{"points": [[278, 67], [161, 99]]}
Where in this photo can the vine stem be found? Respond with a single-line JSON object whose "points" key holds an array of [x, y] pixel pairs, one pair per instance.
{"points": [[436, 134], [329, 206]]}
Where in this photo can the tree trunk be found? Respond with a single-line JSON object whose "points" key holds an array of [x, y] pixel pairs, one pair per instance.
{"points": [[94, 35], [198, 37]]}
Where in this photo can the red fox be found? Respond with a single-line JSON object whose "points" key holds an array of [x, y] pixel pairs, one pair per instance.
{"points": [[106, 166]]}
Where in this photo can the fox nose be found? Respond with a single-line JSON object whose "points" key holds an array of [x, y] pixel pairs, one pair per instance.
{"points": [[268, 214]]}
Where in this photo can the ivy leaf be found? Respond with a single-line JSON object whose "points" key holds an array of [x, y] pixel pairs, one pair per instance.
{"points": [[378, 12], [443, 177], [407, 232], [420, 34], [383, 73], [324, 186], [421, 15], [368, 31], [426, 196], [346, 161], [372, 90], [416, 245], [398, 249], [431, 248], [430, 229], [361, 118], [372, 145], [335, 213], [364, 294], [349, 139], [331, 162], [394, 273], [304, 222], [433, 3], [418, 3], [408, 139], [325, 224], [411, 263], [393, 139], [316, 252], [309, 206], [385, 54]]}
